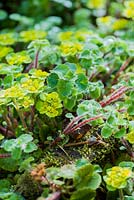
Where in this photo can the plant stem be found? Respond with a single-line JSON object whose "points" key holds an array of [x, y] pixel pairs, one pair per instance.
{"points": [[121, 194], [6, 132], [5, 155], [36, 59], [20, 115]]}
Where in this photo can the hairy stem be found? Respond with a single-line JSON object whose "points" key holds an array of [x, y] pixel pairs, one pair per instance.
{"points": [[121, 194]]}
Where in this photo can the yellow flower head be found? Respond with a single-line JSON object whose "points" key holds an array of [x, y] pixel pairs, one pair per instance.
{"points": [[82, 35], [65, 35], [14, 92], [70, 48], [32, 85], [38, 73], [18, 58], [31, 35], [96, 4], [117, 177], [129, 9], [107, 20], [130, 137], [26, 102], [50, 104], [7, 39], [4, 51], [119, 24]]}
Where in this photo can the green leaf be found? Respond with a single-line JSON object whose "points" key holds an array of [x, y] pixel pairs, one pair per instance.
{"points": [[128, 198], [106, 131], [83, 175], [9, 69], [1, 137], [86, 63], [3, 14], [90, 107], [64, 88], [81, 162], [24, 139], [10, 196], [67, 171], [120, 133], [25, 165], [4, 185], [130, 109], [8, 81], [52, 80], [61, 70], [94, 182], [82, 82], [16, 153], [126, 164], [83, 194], [112, 120], [9, 145], [8, 164], [69, 103], [95, 94], [30, 147]]}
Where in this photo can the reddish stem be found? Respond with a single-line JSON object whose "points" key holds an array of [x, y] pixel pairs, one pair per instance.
{"points": [[114, 96], [83, 123], [122, 68], [76, 119], [6, 132], [36, 59], [55, 196], [5, 155]]}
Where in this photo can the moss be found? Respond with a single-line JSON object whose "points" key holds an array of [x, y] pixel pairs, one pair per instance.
{"points": [[28, 187]]}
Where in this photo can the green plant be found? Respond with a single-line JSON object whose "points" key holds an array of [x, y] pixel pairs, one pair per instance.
{"points": [[66, 99]]}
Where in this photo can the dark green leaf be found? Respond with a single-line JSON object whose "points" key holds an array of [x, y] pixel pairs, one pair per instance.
{"points": [[52, 80], [83, 173], [16, 153], [106, 131], [120, 133], [83, 194], [64, 88]]}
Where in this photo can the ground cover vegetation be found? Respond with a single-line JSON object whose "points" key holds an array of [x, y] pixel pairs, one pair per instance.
{"points": [[67, 100]]}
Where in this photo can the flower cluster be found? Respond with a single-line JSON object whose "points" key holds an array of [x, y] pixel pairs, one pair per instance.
{"points": [[129, 9], [7, 39], [38, 73], [32, 85], [105, 21], [130, 137], [120, 24], [22, 92], [50, 104], [4, 51], [31, 35], [79, 35], [96, 4], [26, 102], [63, 36], [18, 58], [14, 92], [116, 177], [70, 48]]}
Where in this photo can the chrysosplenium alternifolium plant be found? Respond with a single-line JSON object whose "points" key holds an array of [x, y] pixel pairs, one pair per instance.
{"points": [[69, 87]]}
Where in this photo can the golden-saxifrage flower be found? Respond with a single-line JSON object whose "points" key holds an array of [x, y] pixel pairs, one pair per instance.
{"points": [[49, 104], [116, 177]]}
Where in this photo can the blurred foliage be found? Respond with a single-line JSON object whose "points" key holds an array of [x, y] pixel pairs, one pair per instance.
{"points": [[111, 16]]}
